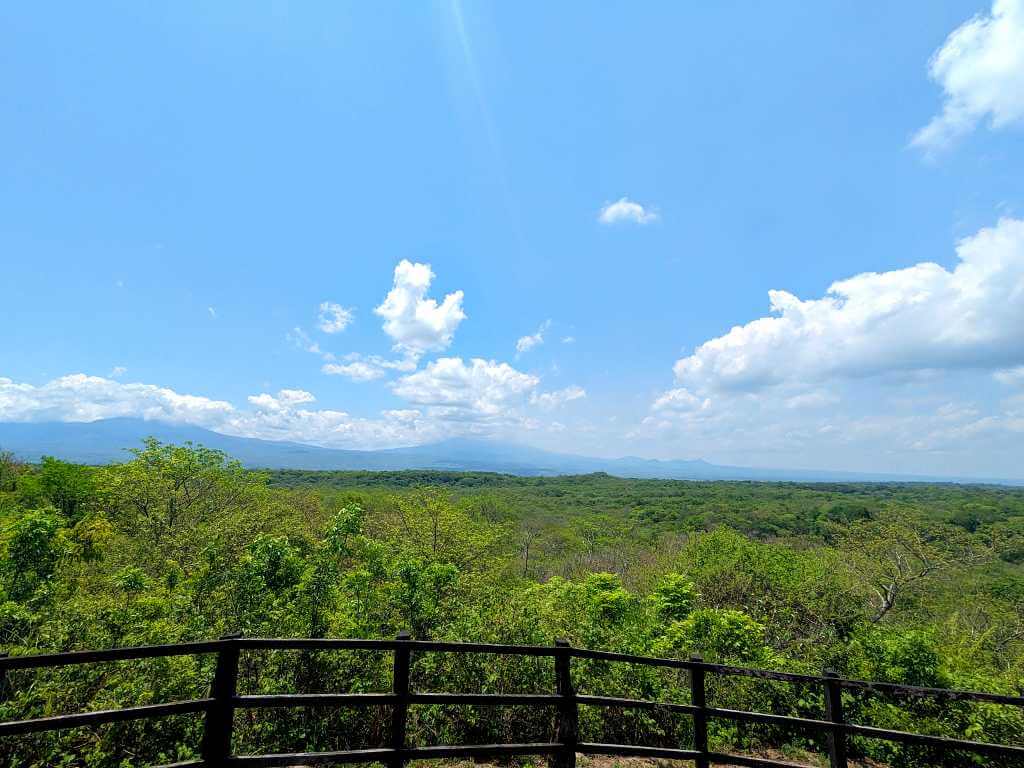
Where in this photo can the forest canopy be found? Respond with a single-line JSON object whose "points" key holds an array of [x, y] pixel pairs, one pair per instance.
{"points": [[917, 584]]}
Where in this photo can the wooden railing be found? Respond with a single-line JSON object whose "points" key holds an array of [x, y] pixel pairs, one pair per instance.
{"points": [[220, 707]]}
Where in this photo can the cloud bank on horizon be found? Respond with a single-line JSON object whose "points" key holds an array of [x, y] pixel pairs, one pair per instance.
{"points": [[799, 367], [822, 369]]}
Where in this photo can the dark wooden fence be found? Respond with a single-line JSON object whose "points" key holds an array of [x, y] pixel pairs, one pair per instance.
{"points": [[219, 708]]}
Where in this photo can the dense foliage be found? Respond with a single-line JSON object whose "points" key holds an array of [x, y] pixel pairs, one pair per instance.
{"points": [[906, 583]]}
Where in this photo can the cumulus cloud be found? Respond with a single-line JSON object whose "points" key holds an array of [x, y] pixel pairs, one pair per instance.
{"points": [[526, 343], [981, 70], [922, 317], [557, 398], [415, 323], [453, 389], [625, 210], [78, 397], [334, 318], [871, 376]]}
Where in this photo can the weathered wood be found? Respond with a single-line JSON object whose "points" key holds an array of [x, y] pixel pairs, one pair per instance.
{"points": [[834, 713], [698, 699], [81, 719], [5, 684], [400, 709], [219, 708], [568, 729], [220, 715], [43, 660]]}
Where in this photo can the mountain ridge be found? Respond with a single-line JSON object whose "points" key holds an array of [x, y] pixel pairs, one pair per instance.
{"points": [[110, 440]]}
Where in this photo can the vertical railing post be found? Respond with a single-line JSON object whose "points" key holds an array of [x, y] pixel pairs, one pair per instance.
{"points": [[698, 698], [400, 709], [220, 717], [5, 684], [834, 712], [568, 729]]}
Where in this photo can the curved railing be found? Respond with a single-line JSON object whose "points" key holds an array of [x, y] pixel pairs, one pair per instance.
{"points": [[219, 708]]}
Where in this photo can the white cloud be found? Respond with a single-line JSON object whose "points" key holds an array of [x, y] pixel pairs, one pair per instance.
{"points": [[118, 370], [78, 397], [415, 323], [334, 318], [625, 210], [81, 398], [680, 400], [919, 318], [357, 371], [359, 367], [557, 398], [981, 70], [483, 389], [450, 397], [285, 399], [301, 340], [872, 376], [1011, 376], [568, 339], [526, 343]]}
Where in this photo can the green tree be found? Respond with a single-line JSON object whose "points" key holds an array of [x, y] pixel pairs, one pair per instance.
{"points": [[32, 549]]}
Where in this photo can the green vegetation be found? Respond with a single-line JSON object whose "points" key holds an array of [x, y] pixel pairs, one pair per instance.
{"points": [[920, 584]]}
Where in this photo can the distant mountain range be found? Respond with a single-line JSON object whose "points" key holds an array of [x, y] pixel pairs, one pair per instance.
{"points": [[108, 440]]}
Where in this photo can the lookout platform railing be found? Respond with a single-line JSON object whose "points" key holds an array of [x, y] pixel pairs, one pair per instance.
{"points": [[219, 708]]}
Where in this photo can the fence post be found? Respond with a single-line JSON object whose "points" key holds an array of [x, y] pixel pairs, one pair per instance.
{"points": [[568, 730], [220, 717], [698, 698], [5, 684], [834, 712], [400, 709]]}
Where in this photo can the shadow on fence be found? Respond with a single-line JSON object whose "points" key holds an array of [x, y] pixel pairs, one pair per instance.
{"points": [[223, 702]]}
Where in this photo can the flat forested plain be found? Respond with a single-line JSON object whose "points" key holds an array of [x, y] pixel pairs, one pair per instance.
{"points": [[912, 583]]}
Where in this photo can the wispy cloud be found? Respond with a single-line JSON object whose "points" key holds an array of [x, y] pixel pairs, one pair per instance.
{"points": [[334, 318], [552, 400], [526, 343], [300, 339]]}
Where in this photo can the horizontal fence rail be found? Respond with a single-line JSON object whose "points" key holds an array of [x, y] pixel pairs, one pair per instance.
{"points": [[219, 708]]}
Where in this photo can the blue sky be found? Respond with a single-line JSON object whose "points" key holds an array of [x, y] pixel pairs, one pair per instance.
{"points": [[193, 193]]}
